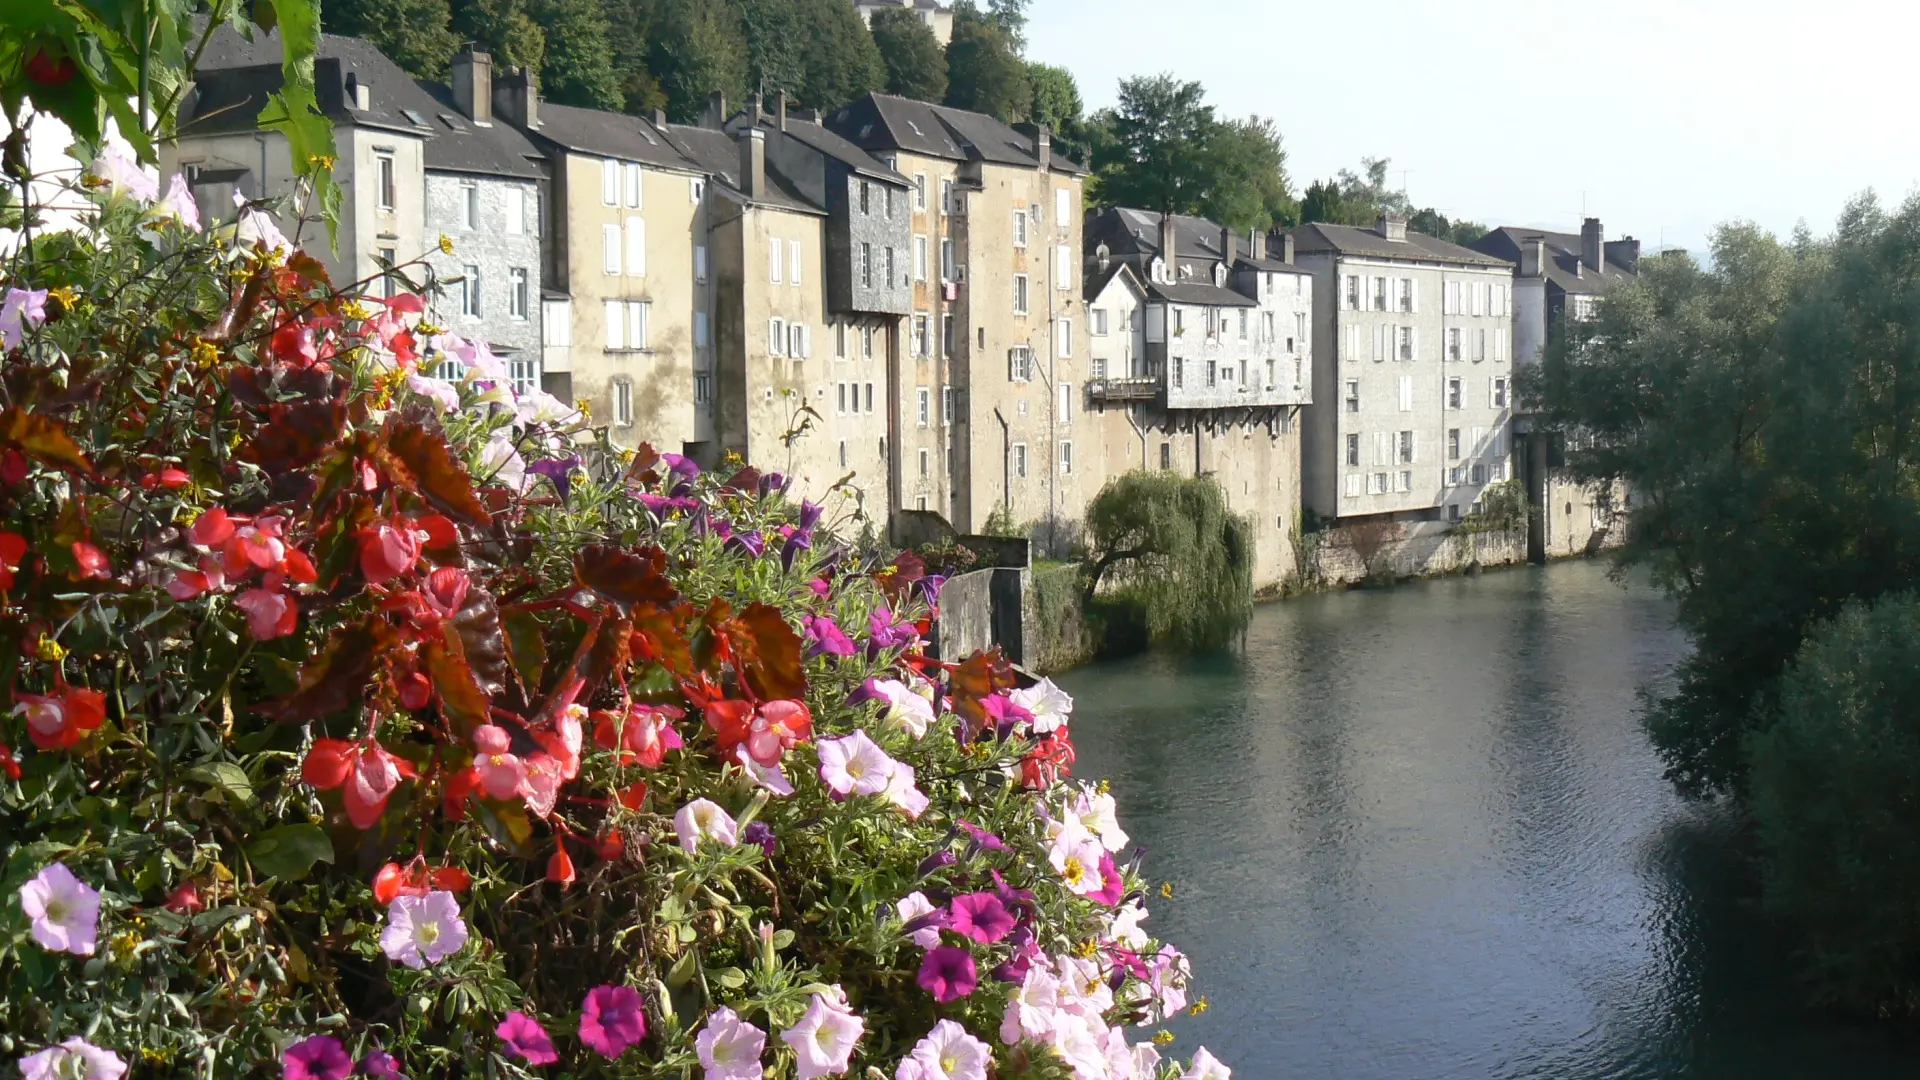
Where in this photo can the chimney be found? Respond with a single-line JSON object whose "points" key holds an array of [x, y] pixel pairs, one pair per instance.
{"points": [[1533, 256], [1286, 248], [716, 110], [659, 118], [516, 98], [753, 109], [1226, 247], [1043, 148], [1168, 253], [780, 108], [1592, 244], [473, 84], [753, 161], [1624, 254], [1393, 227]]}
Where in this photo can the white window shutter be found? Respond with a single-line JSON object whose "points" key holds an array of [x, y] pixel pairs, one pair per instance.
{"points": [[1416, 447], [806, 341], [773, 261], [610, 243], [776, 337], [616, 320], [793, 261], [1413, 287], [1416, 342], [610, 182], [642, 315], [636, 247], [1491, 394]]}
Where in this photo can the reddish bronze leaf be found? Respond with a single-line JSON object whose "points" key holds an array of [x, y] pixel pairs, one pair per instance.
{"points": [[640, 469], [767, 654], [483, 644], [462, 702], [44, 438], [337, 678], [296, 435], [625, 578], [660, 635], [526, 647], [977, 678], [418, 460]]}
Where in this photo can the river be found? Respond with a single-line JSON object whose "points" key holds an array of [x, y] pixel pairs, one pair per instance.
{"points": [[1419, 834]]}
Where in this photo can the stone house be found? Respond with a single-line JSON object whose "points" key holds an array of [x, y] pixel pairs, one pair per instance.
{"points": [[1560, 278], [937, 16]]}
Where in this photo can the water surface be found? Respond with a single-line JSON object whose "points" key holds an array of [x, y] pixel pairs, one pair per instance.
{"points": [[1419, 834]]}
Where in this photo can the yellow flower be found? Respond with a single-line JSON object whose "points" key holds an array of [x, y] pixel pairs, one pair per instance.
{"points": [[322, 161], [585, 406], [627, 454], [49, 650], [1200, 1006], [734, 458], [1166, 890], [1104, 787], [1087, 948], [446, 244], [1163, 1036], [122, 947], [354, 309], [65, 294], [428, 329], [205, 353]]}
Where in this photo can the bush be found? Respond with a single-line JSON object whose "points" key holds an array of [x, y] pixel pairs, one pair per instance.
{"points": [[1836, 778], [366, 716]]}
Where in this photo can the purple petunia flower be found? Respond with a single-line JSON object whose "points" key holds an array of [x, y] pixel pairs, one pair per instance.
{"points": [[948, 974], [1006, 715], [680, 465], [752, 543], [316, 1057], [981, 916], [612, 1019], [825, 638], [1025, 951], [379, 1064], [560, 472], [759, 832], [930, 587], [886, 632], [982, 839], [526, 1039], [936, 861]]}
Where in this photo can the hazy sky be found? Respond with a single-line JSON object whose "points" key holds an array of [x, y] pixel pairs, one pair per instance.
{"points": [[1662, 115]]}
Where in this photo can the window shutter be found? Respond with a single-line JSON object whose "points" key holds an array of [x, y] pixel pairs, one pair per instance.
{"points": [[773, 261], [616, 320], [1416, 448], [636, 247], [1406, 393], [633, 186], [1339, 287], [1492, 394], [516, 211], [700, 262], [1413, 286], [1415, 341], [776, 337], [793, 261], [610, 242], [642, 315], [610, 182], [806, 341]]}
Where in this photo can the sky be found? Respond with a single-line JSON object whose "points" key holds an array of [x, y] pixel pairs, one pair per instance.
{"points": [[1662, 118]]}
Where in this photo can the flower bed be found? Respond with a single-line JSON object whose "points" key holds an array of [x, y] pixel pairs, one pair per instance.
{"points": [[367, 721]]}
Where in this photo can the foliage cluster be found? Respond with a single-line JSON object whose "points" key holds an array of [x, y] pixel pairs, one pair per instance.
{"points": [[1171, 544], [1163, 148], [1358, 199], [365, 714]]}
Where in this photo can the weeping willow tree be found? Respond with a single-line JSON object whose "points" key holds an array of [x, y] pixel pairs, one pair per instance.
{"points": [[1170, 545]]}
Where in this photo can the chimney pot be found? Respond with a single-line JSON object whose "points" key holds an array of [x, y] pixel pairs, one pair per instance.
{"points": [[1533, 256], [473, 84], [1286, 248], [1592, 245], [1392, 227], [659, 118], [1226, 247]]}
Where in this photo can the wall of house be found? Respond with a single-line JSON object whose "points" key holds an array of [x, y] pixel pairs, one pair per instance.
{"points": [[497, 247], [1529, 319], [1319, 462], [1120, 352], [1582, 519], [929, 369]]}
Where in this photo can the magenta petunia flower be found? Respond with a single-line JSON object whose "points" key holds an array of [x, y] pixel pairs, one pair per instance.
{"points": [[1114, 886], [948, 974], [526, 1039], [316, 1057], [825, 638], [380, 1065], [981, 916], [612, 1019]]}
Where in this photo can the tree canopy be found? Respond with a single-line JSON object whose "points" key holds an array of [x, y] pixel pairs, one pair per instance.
{"points": [[985, 72], [1162, 148], [505, 29], [1170, 544], [578, 65], [416, 34], [915, 64]]}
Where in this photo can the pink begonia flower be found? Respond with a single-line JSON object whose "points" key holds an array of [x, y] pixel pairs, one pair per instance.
{"points": [[911, 907], [947, 1053], [1049, 705], [501, 771], [423, 930], [526, 1039], [703, 819], [854, 765], [1032, 1009], [179, 205], [902, 793], [65, 910], [730, 1047], [770, 777], [1206, 1067], [906, 709], [948, 973], [439, 391], [316, 1057], [21, 309], [612, 1019], [73, 1059], [824, 1039], [122, 174], [270, 613], [541, 789]]}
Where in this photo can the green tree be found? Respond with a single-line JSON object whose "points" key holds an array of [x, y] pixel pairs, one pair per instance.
{"points": [[984, 70], [1057, 104], [577, 68], [916, 67], [1157, 156], [413, 33], [1011, 17], [777, 38], [1834, 779], [1436, 224], [1247, 188], [842, 61], [1324, 201], [1170, 545], [505, 29], [693, 48], [1762, 414]]}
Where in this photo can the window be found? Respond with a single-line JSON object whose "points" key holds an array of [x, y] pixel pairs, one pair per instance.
{"points": [[866, 342], [1354, 481], [1063, 267], [616, 322], [923, 405], [946, 404], [1299, 330], [866, 197], [919, 191], [1020, 364], [1243, 324], [700, 263], [1066, 459], [1020, 460], [1353, 395], [795, 261], [1406, 393], [1353, 448], [1166, 455], [866, 266], [924, 457], [516, 199], [1378, 483], [947, 204], [1405, 482], [922, 331], [385, 180], [639, 315], [702, 386], [622, 403], [1453, 343], [919, 258], [631, 174], [776, 336], [1379, 294], [700, 330], [524, 374], [1353, 292], [1499, 393], [1479, 474], [469, 205], [1453, 512], [610, 248], [1019, 294], [1062, 206], [388, 286], [1453, 444], [1406, 343], [1457, 474], [839, 341], [696, 188], [1453, 393], [946, 335], [1020, 228], [1097, 322], [636, 247], [799, 341], [1063, 333], [891, 277], [1497, 471], [470, 290], [1063, 411], [843, 453], [1179, 373], [888, 202], [1213, 373], [517, 293], [1406, 294], [949, 269], [1479, 344], [1406, 447], [610, 182], [841, 408], [869, 407], [775, 261]]}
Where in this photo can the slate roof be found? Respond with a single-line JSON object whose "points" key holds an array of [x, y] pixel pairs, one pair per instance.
{"points": [[1097, 280], [1563, 258], [1348, 240], [1199, 292], [718, 153], [1129, 232], [886, 122], [609, 134], [826, 142], [236, 76]]}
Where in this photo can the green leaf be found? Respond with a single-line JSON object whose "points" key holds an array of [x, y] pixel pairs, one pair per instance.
{"points": [[290, 851], [226, 777]]}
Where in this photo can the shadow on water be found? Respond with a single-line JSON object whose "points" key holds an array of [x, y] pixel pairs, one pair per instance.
{"points": [[1418, 834]]}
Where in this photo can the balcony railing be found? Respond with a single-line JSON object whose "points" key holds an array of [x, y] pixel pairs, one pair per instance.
{"points": [[1145, 388]]}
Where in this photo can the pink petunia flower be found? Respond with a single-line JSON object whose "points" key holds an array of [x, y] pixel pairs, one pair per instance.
{"points": [[981, 916], [21, 309], [913, 906], [948, 973], [824, 1039], [179, 205], [855, 765], [612, 1019], [730, 1047], [1206, 1067], [73, 1059], [526, 1039], [771, 777], [423, 930], [316, 1057], [65, 910], [902, 793]]}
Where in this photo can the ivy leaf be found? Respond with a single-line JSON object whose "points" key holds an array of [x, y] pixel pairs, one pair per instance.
{"points": [[526, 646], [337, 678], [483, 645], [290, 851], [227, 778], [625, 578], [462, 701], [418, 460], [770, 664], [44, 438]]}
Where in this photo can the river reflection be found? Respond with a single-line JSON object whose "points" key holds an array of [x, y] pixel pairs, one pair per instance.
{"points": [[1418, 834]]}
